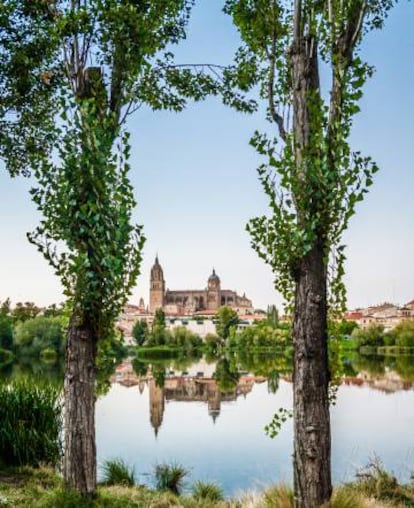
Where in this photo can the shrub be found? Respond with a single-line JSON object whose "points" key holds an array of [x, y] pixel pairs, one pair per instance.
{"points": [[404, 333], [30, 424], [34, 335], [117, 472], [207, 490], [170, 477], [372, 336], [140, 332]]}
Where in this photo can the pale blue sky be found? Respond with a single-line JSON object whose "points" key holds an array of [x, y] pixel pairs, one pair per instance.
{"points": [[196, 185]]}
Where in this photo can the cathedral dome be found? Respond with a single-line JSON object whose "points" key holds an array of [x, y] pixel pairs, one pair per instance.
{"points": [[213, 280]]}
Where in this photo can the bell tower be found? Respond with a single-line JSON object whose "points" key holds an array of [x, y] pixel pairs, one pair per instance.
{"points": [[157, 287], [213, 291]]}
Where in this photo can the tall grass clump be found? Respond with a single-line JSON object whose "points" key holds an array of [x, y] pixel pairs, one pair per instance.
{"points": [[280, 496], [30, 424], [117, 472], [170, 477], [207, 490]]}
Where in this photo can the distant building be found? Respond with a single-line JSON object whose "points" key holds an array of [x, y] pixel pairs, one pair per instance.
{"points": [[386, 314], [193, 301]]}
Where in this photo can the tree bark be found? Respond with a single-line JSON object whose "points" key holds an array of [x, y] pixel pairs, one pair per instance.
{"points": [[79, 468], [312, 441], [312, 438]]}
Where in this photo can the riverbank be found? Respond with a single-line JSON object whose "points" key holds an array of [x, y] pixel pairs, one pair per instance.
{"points": [[43, 488]]}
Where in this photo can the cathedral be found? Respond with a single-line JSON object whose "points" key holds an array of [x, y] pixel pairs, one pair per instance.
{"points": [[195, 301]]}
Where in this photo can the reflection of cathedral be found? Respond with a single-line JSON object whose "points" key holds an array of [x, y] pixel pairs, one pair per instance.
{"points": [[156, 399], [183, 302], [190, 389]]}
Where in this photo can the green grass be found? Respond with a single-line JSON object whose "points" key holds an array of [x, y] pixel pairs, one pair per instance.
{"points": [[207, 490], [170, 477], [30, 423], [117, 472], [26, 487]]}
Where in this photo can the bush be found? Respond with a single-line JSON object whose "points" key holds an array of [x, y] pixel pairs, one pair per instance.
{"points": [[170, 477], [207, 490], [404, 333], [34, 335], [30, 424], [117, 472], [372, 336], [140, 332]]}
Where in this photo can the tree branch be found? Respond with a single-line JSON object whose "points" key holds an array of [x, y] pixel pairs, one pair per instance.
{"points": [[276, 117]]}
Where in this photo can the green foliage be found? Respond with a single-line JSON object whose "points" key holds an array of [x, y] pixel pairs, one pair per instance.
{"points": [[263, 335], [117, 472], [24, 311], [6, 333], [30, 424], [6, 357], [227, 375], [111, 351], [311, 177], [212, 342], [87, 203], [227, 318], [140, 332], [183, 338], [34, 335], [404, 334], [272, 316], [170, 477], [373, 335], [159, 318], [279, 418], [27, 77], [89, 66], [345, 328], [207, 491]]}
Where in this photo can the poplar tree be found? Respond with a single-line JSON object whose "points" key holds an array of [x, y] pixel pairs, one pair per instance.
{"points": [[313, 181], [70, 74]]}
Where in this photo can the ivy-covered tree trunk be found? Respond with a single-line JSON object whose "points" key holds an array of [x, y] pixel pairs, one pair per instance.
{"points": [[80, 373], [312, 437], [312, 443]]}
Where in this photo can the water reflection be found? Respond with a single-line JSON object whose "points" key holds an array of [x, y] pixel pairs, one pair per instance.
{"points": [[210, 384]]}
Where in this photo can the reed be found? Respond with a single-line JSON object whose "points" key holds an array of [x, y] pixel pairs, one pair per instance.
{"points": [[30, 423]]}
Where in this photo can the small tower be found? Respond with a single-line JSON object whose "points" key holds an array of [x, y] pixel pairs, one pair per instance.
{"points": [[213, 292], [157, 287]]}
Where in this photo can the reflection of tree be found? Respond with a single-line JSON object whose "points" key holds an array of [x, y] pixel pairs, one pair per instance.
{"points": [[226, 375], [111, 352], [273, 381], [264, 364], [373, 364], [140, 368], [158, 373], [404, 366]]}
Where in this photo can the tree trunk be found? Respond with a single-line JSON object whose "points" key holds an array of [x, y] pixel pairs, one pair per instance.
{"points": [[312, 438], [79, 469]]}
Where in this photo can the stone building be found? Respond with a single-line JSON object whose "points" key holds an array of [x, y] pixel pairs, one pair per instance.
{"points": [[187, 302]]}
